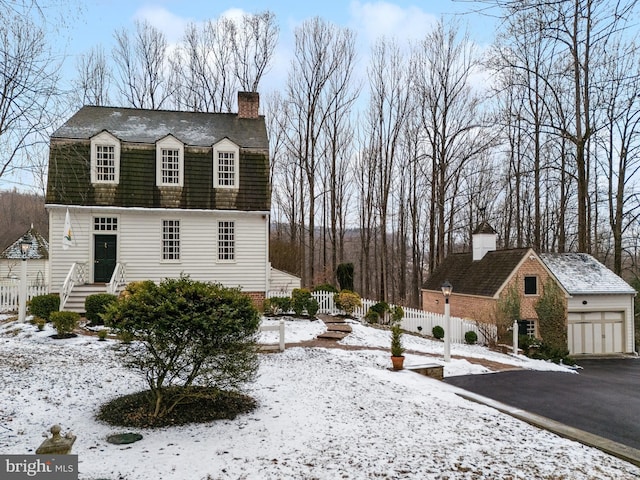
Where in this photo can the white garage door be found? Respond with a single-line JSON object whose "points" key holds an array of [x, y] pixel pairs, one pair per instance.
{"points": [[595, 332]]}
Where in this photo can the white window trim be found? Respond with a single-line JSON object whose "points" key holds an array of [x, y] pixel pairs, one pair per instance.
{"points": [[235, 242], [172, 143], [170, 260], [226, 145], [105, 139]]}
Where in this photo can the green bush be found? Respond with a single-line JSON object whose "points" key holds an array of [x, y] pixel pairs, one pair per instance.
{"points": [[344, 272], [438, 332], [381, 308], [299, 299], [43, 305], [312, 307], [95, 305], [397, 314], [470, 337], [325, 287], [65, 322], [548, 351], [276, 305], [347, 301], [188, 334], [396, 340], [372, 317], [102, 335]]}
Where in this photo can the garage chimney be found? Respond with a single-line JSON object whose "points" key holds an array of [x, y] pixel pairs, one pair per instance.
{"points": [[483, 240], [248, 104]]}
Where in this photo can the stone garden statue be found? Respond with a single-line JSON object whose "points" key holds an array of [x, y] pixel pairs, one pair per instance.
{"points": [[57, 444]]}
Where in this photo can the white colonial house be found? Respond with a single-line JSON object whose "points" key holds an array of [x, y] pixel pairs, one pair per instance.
{"points": [[154, 194]]}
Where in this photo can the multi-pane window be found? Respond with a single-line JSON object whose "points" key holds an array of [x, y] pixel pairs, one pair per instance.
{"points": [[530, 285], [226, 161], [171, 239], [170, 166], [226, 241], [105, 163], [105, 159], [105, 224], [226, 169]]}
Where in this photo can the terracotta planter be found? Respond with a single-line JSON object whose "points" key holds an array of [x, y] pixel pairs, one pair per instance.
{"points": [[398, 362]]}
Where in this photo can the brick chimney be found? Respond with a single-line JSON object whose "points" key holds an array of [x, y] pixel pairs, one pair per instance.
{"points": [[248, 104]]}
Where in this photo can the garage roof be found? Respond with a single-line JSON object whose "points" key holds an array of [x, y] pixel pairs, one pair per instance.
{"points": [[580, 273]]}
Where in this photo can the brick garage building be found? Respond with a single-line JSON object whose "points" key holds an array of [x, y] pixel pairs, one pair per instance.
{"points": [[482, 277]]}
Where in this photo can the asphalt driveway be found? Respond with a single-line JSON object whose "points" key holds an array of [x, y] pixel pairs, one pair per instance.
{"points": [[603, 398]]}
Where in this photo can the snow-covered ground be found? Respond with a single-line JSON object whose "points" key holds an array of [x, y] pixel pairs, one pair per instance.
{"points": [[323, 414]]}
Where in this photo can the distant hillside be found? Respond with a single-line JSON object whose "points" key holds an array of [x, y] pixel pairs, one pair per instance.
{"points": [[18, 211]]}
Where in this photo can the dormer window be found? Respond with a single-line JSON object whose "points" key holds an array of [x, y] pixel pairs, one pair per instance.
{"points": [[169, 162], [226, 161], [105, 159]]}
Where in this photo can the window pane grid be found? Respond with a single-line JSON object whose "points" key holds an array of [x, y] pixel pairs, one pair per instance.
{"points": [[102, 224], [170, 166], [226, 169], [171, 239], [105, 163], [226, 241]]}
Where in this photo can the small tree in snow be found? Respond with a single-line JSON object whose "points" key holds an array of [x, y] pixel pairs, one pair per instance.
{"points": [[186, 334]]}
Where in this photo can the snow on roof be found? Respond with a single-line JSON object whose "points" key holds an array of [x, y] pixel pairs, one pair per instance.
{"points": [[148, 126], [39, 247], [580, 273]]}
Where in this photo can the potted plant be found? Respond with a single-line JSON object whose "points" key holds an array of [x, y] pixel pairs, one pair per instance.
{"points": [[397, 350]]}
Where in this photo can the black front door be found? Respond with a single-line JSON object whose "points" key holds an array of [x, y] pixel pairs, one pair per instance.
{"points": [[104, 257]]}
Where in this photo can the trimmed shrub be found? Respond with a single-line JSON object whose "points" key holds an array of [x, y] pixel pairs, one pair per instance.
{"points": [[325, 287], [438, 332], [65, 322], [381, 308], [96, 305], [372, 316], [470, 337], [43, 305], [188, 334], [276, 305], [347, 301], [396, 341], [397, 314], [102, 335], [300, 299], [312, 307]]}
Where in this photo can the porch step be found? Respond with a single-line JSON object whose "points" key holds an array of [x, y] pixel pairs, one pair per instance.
{"points": [[77, 297]]}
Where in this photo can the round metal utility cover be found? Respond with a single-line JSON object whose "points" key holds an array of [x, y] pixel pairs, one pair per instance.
{"points": [[124, 438]]}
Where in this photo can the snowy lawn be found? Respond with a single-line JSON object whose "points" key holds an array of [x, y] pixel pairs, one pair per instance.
{"points": [[323, 414]]}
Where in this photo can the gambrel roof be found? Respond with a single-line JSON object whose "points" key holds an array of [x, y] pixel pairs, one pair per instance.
{"points": [[148, 126], [138, 131], [580, 273]]}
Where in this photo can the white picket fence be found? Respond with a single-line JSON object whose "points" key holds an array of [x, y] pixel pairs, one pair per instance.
{"points": [[9, 294], [414, 320]]}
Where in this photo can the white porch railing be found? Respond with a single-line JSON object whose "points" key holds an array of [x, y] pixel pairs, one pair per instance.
{"points": [[414, 320], [77, 276], [10, 296], [118, 279]]}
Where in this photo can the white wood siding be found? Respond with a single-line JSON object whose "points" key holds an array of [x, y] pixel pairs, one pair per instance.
{"points": [[604, 324], [282, 283], [37, 270], [139, 245]]}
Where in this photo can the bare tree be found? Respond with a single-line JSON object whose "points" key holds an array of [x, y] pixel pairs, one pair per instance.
{"points": [[93, 79], [320, 50], [142, 66], [254, 42], [29, 74]]}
